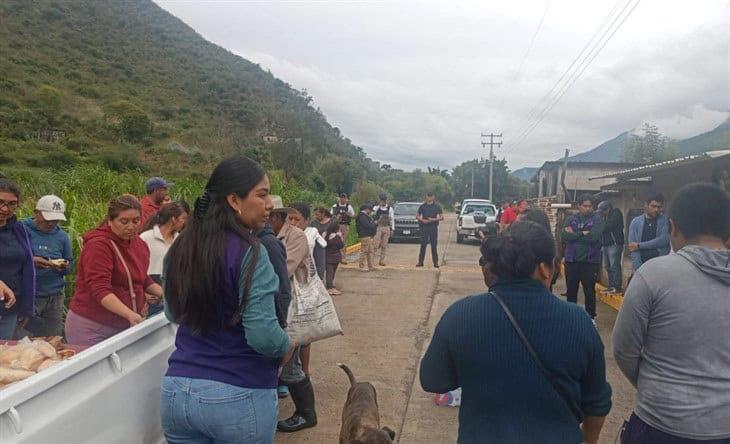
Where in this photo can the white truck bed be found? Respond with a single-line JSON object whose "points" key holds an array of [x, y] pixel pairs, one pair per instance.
{"points": [[109, 393]]}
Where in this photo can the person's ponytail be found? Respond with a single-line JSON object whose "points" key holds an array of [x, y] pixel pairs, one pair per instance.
{"points": [[195, 263]]}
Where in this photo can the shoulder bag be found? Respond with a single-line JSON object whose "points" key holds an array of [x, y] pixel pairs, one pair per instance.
{"points": [[548, 374], [312, 315], [129, 276]]}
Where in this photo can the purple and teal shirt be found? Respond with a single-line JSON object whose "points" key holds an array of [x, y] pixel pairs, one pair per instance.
{"points": [[579, 247]]}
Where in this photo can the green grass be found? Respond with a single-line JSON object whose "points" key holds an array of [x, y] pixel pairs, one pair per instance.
{"points": [[128, 78]]}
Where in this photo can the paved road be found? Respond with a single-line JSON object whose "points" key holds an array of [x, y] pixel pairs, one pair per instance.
{"points": [[388, 317]]}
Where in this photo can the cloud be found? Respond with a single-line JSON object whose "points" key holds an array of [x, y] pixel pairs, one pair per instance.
{"points": [[414, 84]]}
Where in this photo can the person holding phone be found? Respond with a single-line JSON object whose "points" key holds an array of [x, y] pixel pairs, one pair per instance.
{"points": [[53, 258]]}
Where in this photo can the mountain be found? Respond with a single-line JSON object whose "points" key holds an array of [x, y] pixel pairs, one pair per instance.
{"points": [[718, 138], [612, 150], [609, 151], [525, 174], [88, 80]]}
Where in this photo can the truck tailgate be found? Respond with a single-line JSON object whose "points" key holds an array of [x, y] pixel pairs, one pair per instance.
{"points": [[108, 393]]}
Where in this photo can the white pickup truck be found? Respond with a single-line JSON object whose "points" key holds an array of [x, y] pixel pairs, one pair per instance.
{"points": [[476, 215], [108, 393]]}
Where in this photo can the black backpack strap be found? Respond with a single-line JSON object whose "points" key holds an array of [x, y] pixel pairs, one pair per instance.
{"points": [[548, 374]]}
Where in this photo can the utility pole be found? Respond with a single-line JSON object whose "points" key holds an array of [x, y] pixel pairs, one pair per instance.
{"points": [[564, 195], [472, 181], [491, 144]]}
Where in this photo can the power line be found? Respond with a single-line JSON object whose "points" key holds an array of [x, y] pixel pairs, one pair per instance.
{"points": [[534, 111], [537, 111], [532, 42], [581, 68], [583, 59]]}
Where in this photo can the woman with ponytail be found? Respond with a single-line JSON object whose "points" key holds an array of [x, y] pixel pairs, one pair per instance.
{"points": [[485, 343], [220, 288]]}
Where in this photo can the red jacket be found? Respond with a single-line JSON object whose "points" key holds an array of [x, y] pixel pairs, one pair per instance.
{"points": [[100, 272], [508, 216], [148, 210]]}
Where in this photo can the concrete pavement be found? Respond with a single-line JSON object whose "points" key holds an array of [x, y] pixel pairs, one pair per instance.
{"points": [[388, 317]]}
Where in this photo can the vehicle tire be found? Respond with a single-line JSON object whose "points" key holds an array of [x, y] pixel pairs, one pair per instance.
{"points": [[459, 238]]}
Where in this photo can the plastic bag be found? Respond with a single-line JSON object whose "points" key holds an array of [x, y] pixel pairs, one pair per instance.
{"points": [[448, 399]]}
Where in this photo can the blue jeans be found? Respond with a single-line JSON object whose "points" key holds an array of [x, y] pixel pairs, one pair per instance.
{"points": [[200, 411], [8, 322], [612, 256]]}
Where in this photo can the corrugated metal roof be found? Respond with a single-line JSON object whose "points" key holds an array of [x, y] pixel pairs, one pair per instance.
{"points": [[646, 170]]}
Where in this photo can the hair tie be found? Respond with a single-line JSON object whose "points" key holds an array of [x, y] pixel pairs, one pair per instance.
{"points": [[201, 205]]}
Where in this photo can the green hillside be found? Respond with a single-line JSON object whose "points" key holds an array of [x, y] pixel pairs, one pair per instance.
{"points": [[127, 84], [718, 138]]}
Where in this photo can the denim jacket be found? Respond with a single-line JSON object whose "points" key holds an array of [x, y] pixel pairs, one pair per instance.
{"points": [[660, 242]]}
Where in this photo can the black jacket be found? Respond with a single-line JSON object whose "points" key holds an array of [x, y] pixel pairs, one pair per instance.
{"points": [[277, 256], [365, 225], [613, 232]]}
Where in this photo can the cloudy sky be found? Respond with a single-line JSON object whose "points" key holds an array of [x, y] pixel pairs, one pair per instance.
{"points": [[416, 82]]}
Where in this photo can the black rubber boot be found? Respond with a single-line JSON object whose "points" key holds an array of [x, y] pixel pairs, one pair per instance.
{"points": [[304, 416]]}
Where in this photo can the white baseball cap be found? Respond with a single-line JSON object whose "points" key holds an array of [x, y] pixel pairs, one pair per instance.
{"points": [[278, 204], [51, 207]]}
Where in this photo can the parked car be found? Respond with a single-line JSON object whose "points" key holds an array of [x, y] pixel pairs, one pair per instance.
{"points": [[406, 225], [477, 215]]}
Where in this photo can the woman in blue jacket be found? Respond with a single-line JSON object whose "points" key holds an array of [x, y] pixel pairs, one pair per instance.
{"points": [[17, 271], [505, 395], [220, 386]]}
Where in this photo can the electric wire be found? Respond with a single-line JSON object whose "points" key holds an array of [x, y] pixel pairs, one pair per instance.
{"points": [[577, 74], [532, 42], [583, 60]]}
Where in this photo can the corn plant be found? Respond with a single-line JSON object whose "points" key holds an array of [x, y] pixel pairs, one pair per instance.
{"points": [[86, 190]]}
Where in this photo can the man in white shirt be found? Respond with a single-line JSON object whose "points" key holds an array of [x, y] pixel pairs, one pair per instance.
{"points": [[385, 219]]}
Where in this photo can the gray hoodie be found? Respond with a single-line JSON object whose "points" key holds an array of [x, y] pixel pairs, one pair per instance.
{"points": [[672, 341]]}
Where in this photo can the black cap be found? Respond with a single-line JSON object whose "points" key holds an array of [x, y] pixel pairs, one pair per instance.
{"points": [[366, 206], [343, 194]]}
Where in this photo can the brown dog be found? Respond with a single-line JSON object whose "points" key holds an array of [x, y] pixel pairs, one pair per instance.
{"points": [[360, 416]]}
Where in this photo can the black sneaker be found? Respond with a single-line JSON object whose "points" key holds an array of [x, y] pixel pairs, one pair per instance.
{"points": [[296, 423], [436, 266], [419, 265]]}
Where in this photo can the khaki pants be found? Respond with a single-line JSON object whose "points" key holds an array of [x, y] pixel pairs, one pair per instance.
{"points": [[366, 252], [344, 229], [382, 237]]}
